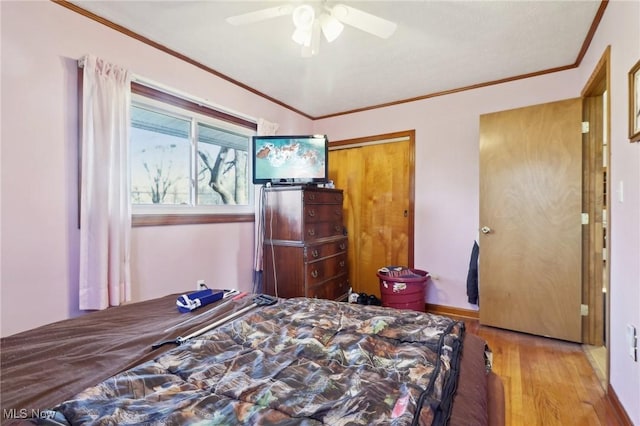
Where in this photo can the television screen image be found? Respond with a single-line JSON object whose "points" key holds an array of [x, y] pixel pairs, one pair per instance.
{"points": [[290, 159]]}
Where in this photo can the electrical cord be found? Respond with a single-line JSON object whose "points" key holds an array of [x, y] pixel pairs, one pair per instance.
{"points": [[258, 284], [257, 278], [273, 257]]}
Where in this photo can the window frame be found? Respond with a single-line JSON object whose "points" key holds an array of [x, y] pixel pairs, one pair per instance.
{"points": [[144, 215]]}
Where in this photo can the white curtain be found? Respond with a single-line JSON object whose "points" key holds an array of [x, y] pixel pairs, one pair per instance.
{"points": [[105, 205], [265, 128]]}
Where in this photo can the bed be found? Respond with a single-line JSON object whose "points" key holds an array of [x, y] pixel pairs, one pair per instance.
{"points": [[299, 361]]}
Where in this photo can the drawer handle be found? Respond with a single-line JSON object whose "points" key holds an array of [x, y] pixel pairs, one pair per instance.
{"points": [[314, 273], [312, 196], [342, 263], [338, 228], [342, 246], [312, 213], [311, 232], [315, 253], [337, 212]]}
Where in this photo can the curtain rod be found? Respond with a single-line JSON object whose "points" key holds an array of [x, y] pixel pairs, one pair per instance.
{"points": [[170, 90]]}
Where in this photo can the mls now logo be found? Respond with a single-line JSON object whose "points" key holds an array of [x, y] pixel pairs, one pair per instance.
{"points": [[24, 413]]}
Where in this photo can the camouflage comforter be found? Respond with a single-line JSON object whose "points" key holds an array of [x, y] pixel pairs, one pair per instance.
{"points": [[300, 361]]}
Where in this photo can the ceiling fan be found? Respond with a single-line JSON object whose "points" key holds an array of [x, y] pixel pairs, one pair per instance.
{"points": [[309, 23]]}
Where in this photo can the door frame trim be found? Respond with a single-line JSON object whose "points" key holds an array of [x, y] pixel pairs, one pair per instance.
{"points": [[598, 84]]}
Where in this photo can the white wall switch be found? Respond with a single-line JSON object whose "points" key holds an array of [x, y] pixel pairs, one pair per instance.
{"points": [[632, 342]]}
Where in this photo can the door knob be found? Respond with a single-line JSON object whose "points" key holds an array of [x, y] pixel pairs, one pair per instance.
{"points": [[485, 229]]}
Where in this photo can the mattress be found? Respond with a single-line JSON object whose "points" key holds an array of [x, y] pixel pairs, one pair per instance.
{"points": [[301, 361]]}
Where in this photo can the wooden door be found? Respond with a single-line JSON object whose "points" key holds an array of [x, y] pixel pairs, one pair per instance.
{"points": [[530, 204], [346, 171], [376, 178]]}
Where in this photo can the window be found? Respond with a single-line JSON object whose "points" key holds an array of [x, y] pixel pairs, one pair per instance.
{"points": [[187, 160]]}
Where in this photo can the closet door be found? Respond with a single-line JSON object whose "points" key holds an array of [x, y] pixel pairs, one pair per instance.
{"points": [[346, 170], [530, 218], [376, 177]]}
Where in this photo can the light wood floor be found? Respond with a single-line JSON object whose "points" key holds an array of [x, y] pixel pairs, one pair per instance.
{"points": [[597, 356], [547, 382]]}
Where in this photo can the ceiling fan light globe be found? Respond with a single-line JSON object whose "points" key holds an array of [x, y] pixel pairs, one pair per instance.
{"points": [[302, 36], [339, 11], [303, 16], [331, 27]]}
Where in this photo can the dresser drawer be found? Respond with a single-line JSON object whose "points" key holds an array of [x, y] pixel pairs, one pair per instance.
{"points": [[319, 251], [317, 230], [305, 246], [319, 213], [328, 267], [322, 197], [335, 289]]}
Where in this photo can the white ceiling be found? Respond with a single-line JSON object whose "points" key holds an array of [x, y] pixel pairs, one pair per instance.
{"points": [[438, 46]]}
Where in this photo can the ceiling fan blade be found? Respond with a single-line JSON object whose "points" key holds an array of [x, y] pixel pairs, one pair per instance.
{"points": [[363, 21], [260, 15]]}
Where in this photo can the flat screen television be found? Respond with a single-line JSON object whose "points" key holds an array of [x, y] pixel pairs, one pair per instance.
{"points": [[290, 160]]}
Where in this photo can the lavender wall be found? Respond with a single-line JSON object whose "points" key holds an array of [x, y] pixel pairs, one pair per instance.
{"points": [[446, 190], [620, 30], [446, 199], [41, 42]]}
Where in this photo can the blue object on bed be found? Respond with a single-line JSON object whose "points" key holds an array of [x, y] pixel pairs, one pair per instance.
{"points": [[192, 301]]}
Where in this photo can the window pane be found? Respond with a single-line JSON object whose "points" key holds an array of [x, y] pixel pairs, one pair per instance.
{"points": [[222, 167], [160, 158]]}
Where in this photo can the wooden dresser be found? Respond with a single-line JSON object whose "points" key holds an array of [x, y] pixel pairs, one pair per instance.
{"points": [[305, 246]]}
